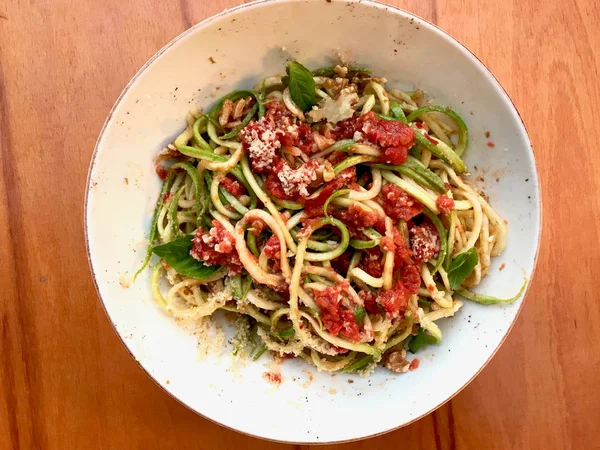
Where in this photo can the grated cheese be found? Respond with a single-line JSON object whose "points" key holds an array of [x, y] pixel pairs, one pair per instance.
{"points": [[335, 110], [297, 180], [263, 147]]}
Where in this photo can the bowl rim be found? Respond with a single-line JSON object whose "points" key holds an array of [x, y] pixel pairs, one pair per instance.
{"points": [[254, 4]]}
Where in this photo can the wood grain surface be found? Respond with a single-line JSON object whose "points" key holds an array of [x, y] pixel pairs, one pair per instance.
{"points": [[67, 382]]}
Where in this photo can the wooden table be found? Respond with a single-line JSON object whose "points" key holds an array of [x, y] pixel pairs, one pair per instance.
{"points": [[66, 382]]}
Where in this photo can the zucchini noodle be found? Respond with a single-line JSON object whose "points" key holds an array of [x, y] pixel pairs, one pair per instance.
{"points": [[329, 211]]}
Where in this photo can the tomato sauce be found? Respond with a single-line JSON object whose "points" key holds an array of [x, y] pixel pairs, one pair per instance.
{"points": [[372, 262], [394, 300], [314, 206], [414, 364], [356, 218], [402, 253], [161, 171], [273, 377], [341, 264]]}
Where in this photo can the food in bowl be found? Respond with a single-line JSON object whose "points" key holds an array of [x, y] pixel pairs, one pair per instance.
{"points": [[330, 212]]}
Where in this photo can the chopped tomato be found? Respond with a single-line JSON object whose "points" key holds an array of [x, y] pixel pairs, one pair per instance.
{"points": [[398, 204], [273, 247], [411, 278], [424, 241], [356, 217], [161, 171], [234, 187], [394, 300], [386, 133], [446, 204], [216, 247], [414, 364], [345, 129], [402, 253], [341, 264], [372, 262], [314, 206], [394, 155], [336, 319], [370, 300]]}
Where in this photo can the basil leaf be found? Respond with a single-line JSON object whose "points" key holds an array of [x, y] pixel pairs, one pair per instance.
{"points": [[461, 267], [420, 340], [177, 254], [359, 314], [301, 85]]}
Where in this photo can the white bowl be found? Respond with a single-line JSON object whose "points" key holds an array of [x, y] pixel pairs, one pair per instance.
{"points": [[247, 43]]}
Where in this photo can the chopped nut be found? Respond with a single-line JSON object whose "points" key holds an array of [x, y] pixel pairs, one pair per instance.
{"points": [[233, 124], [396, 361], [239, 108], [322, 142], [225, 113], [342, 71], [335, 85]]}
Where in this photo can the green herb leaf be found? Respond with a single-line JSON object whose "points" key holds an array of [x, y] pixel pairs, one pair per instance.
{"points": [[359, 314], [461, 267], [420, 340], [301, 85], [177, 254]]}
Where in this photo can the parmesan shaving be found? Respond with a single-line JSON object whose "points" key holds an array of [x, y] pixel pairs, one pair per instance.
{"points": [[335, 110]]}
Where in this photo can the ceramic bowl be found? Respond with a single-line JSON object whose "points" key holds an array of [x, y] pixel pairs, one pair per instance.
{"points": [[233, 50]]}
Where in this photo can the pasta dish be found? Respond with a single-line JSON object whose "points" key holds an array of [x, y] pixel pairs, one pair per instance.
{"points": [[330, 212]]}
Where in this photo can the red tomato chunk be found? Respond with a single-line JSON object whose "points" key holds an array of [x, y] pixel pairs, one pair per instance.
{"points": [[386, 133], [398, 204], [446, 204], [336, 319], [273, 247], [234, 187], [425, 241], [215, 247]]}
